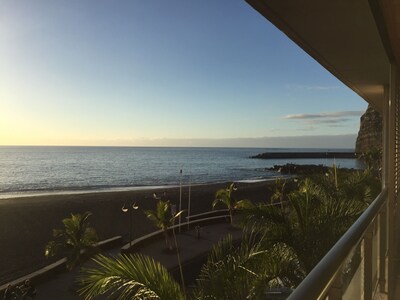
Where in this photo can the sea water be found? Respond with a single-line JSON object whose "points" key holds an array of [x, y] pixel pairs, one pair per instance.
{"points": [[33, 170]]}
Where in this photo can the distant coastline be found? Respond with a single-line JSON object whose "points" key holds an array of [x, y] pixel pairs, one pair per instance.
{"points": [[313, 155]]}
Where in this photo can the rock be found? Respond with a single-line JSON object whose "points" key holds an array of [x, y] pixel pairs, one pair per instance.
{"points": [[308, 170], [370, 134], [300, 169]]}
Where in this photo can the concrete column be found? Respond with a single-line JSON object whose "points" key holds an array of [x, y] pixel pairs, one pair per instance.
{"points": [[389, 150], [383, 217]]}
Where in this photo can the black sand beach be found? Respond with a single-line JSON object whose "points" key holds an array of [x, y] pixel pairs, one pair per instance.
{"points": [[26, 223]]}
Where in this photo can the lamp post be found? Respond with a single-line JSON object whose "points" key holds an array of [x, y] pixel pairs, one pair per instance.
{"points": [[130, 208]]}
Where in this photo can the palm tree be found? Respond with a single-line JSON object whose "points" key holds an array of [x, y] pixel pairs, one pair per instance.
{"points": [[231, 272], [319, 213], [129, 277], [225, 196], [75, 240], [280, 248], [162, 219], [137, 276], [280, 192], [247, 271]]}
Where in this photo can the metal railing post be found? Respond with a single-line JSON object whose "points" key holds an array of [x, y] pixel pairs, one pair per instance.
{"points": [[367, 278], [382, 249], [336, 290]]}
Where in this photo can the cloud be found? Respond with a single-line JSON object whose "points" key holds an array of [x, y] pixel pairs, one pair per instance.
{"points": [[326, 115], [324, 119], [330, 121]]}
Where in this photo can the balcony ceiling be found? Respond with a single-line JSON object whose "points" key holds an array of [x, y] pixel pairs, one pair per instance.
{"points": [[391, 13], [343, 37]]}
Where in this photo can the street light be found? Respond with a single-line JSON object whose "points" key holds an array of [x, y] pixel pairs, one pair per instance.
{"points": [[130, 208]]}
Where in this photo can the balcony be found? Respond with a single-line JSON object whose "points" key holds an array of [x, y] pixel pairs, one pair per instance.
{"points": [[357, 266], [358, 42]]}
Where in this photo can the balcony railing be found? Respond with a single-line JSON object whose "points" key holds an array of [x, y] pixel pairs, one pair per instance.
{"points": [[355, 268]]}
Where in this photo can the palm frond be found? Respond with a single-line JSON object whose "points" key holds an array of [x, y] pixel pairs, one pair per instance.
{"points": [[246, 271], [244, 204], [222, 196], [129, 277]]}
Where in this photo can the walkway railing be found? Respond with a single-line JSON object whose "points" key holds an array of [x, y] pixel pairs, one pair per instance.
{"points": [[355, 267], [210, 217]]}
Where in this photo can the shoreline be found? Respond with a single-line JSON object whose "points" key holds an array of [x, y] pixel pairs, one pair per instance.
{"points": [[31, 194], [27, 222]]}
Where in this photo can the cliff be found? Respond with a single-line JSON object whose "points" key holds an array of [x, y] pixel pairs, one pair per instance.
{"points": [[370, 134]]}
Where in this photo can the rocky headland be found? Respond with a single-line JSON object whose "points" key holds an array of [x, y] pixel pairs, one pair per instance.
{"points": [[370, 133]]}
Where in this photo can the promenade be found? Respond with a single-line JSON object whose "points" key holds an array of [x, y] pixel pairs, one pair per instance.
{"points": [[193, 251]]}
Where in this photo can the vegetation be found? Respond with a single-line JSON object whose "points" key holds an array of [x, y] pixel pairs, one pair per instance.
{"points": [[317, 214], [163, 219], [75, 240], [247, 271], [225, 197], [373, 160], [281, 244], [279, 191], [129, 277]]}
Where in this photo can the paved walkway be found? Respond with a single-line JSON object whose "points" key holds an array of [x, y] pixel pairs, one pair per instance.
{"points": [[63, 286]]}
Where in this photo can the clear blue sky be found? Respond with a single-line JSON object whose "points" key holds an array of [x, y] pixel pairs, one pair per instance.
{"points": [[159, 73]]}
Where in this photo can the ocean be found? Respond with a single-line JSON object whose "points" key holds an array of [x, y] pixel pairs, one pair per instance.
{"points": [[41, 170]]}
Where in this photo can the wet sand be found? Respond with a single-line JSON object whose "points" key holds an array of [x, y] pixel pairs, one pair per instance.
{"points": [[26, 223]]}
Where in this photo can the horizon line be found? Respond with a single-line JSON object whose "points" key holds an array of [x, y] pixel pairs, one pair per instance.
{"points": [[276, 142], [126, 146]]}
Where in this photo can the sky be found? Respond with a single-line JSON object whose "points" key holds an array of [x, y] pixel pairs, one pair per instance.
{"points": [[163, 73]]}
